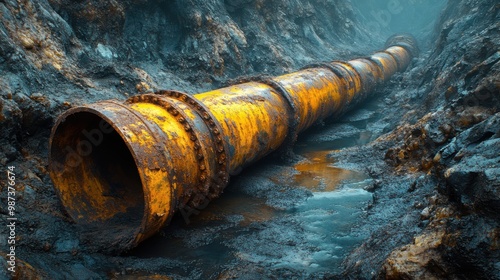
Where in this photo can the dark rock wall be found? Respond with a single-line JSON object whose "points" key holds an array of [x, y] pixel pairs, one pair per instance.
{"points": [[436, 204], [444, 159]]}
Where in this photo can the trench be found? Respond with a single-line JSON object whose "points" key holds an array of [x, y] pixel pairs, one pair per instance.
{"points": [[304, 219]]}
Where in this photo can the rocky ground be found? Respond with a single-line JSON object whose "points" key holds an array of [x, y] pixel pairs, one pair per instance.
{"points": [[432, 155], [443, 156]]}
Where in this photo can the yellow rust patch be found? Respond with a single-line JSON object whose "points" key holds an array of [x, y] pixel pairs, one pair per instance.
{"points": [[352, 82], [315, 92], [158, 195], [253, 118], [180, 147]]}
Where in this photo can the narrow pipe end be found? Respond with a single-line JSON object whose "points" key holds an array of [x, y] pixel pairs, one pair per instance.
{"points": [[406, 41]]}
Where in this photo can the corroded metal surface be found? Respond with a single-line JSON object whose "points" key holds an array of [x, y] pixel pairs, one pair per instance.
{"points": [[130, 165]]}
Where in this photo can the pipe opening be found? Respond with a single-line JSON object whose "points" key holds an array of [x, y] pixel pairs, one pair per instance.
{"points": [[96, 176]]}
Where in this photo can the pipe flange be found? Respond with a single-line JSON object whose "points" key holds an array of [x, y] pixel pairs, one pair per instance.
{"points": [[220, 146], [345, 71], [339, 71], [399, 63], [204, 184], [406, 41], [294, 116], [379, 68], [269, 81]]}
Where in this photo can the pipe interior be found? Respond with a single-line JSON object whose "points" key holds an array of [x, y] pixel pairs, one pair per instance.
{"points": [[97, 177]]}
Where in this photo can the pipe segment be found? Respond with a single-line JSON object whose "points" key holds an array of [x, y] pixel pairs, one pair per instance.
{"points": [[121, 169]]}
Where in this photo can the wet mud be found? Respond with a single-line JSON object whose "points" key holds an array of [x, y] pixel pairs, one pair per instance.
{"points": [[405, 185]]}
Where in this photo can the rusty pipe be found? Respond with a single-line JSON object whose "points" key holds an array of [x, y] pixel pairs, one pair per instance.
{"points": [[121, 169]]}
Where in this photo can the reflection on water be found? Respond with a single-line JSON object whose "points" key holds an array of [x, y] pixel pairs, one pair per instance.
{"points": [[318, 174]]}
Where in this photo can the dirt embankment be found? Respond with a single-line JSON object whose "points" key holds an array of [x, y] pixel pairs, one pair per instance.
{"points": [[436, 166]]}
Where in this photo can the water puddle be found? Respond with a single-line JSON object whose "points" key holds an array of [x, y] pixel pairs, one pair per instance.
{"points": [[334, 209], [319, 174], [328, 219]]}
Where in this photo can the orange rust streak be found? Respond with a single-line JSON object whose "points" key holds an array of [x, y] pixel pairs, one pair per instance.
{"points": [[253, 118], [180, 148], [315, 92]]}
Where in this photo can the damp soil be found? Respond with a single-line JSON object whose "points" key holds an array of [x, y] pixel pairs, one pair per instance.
{"points": [[404, 186]]}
